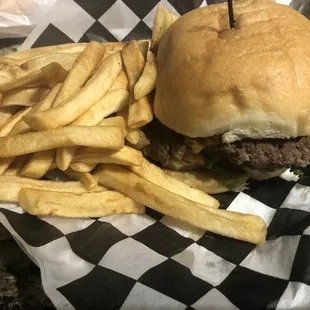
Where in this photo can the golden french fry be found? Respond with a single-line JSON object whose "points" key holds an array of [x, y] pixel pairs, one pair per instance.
{"points": [[38, 165], [144, 47], [83, 167], [6, 113], [118, 121], [154, 174], [16, 165], [133, 136], [240, 226], [140, 113], [54, 73], [13, 121], [76, 105], [134, 62], [12, 72], [38, 202], [124, 156], [111, 102], [147, 80], [5, 163], [23, 97], [51, 74], [65, 60], [121, 82], [163, 20], [85, 178], [203, 180], [10, 187], [143, 141], [4, 60], [103, 137], [82, 69], [112, 48], [44, 104], [53, 166], [70, 48]]}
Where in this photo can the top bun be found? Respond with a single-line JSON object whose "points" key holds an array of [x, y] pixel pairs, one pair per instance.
{"points": [[251, 81]]}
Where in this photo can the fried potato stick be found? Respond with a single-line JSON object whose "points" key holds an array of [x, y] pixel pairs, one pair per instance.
{"points": [[103, 137], [240, 226], [38, 202]]}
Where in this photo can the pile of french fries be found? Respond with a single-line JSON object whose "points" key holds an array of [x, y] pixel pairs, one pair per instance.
{"points": [[81, 108]]}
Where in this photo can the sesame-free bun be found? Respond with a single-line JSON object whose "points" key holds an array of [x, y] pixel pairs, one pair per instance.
{"points": [[251, 81]]}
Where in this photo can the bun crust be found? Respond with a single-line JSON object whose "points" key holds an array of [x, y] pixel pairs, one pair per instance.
{"points": [[251, 81]]}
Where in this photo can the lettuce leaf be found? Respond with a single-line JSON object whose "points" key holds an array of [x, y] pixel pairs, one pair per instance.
{"points": [[302, 173], [298, 172], [228, 175]]}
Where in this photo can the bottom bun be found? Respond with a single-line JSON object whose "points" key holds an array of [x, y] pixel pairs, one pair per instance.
{"points": [[264, 175]]}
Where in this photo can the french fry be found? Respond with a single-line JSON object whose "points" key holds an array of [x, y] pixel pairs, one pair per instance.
{"points": [[203, 180], [103, 137], [118, 121], [70, 48], [77, 77], [23, 97], [240, 226], [12, 72], [5, 163], [134, 62], [133, 136], [44, 104], [4, 60], [144, 48], [121, 82], [53, 166], [143, 141], [163, 20], [65, 60], [50, 75], [154, 174], [54, 73], [140, 113], [10, 186], [111, 102], [13, 121], [83, 67], [112, 48], [38, 202], [124, 156], [147, 80], [81, 101], [38, 165], [16, 165], [6, 113], [85, 178], [83, 167]]}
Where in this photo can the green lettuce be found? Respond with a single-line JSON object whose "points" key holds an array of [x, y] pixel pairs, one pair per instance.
{"points": [[228, 175]]}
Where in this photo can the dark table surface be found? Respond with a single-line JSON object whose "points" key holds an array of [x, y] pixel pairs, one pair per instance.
{"points": [[20, 280]]}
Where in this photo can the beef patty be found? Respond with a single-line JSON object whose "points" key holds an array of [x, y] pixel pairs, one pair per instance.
{"points": [[165, 144], [263, 155], [268, 154]]}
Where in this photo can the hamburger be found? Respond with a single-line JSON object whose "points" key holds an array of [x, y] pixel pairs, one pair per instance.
{"points": [[234, 101]]}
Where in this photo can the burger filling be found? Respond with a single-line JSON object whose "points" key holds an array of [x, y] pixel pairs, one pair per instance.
{"points": [[230, 161]]}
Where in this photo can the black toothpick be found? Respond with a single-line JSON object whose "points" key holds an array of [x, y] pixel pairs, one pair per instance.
{"points": [[231, 14]]}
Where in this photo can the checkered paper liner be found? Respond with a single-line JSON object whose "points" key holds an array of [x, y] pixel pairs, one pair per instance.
{"points": [[152, 261]]}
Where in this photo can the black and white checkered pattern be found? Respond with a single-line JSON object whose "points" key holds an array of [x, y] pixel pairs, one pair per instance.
{"points": [[152, 261]]}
